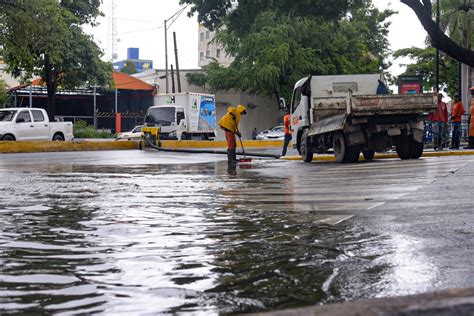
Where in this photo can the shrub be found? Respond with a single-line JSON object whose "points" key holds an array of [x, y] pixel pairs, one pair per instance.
{"points": [[84, 130]]}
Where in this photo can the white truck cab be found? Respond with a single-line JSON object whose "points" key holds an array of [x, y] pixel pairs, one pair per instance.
{"points": [[183, 116]]}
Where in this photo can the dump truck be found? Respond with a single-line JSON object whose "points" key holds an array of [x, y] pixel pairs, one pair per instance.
{"points": [[183, 116], [344, 113]]}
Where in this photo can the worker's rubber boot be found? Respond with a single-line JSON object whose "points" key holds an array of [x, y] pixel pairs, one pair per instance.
{"points": [[231, 156]]}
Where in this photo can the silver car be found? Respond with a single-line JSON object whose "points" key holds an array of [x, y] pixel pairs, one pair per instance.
{"points": [[274, 133]]}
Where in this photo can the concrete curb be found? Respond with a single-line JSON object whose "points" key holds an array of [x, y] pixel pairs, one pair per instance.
{"points": [[50, 146], [388, 156], [87, 145], [445, 302]]}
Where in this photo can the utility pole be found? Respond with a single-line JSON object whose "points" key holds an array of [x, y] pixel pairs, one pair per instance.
{"points": [[166, 55], [173, 89], [177, 64]]}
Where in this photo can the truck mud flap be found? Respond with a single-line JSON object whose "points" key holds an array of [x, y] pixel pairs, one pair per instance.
{"points": [[330, 124]]}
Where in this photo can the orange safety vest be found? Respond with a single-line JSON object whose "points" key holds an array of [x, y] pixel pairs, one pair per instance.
{"points": [[457, 112], [287, 124]]}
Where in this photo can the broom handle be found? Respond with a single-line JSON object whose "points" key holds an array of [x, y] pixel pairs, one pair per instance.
{"points": [[242, 145]]}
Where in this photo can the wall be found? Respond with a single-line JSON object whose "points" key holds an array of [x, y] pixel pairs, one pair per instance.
{"points": [[263, 111]]}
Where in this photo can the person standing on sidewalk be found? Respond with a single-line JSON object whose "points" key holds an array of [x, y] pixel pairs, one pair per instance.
{"points": [[456, 117], [440, 123], [288, 131], [230, 124]]}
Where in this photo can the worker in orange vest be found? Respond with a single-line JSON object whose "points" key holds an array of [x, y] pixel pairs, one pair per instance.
{"points": [[288, 131], [230, 124], [456, 117], [471, 122]]}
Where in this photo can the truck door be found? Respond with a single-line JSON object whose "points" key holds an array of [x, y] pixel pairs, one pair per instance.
{"points": [[41, 126], [299, 112], [24, 128], [180, 122]]}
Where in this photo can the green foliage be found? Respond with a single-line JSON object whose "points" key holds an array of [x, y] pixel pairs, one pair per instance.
{"points": [[45, 38], [215, 13], [84, 130], [458, 23], [424, 65], [3, 92], [129, 67], [280, 48], [197, 79]]}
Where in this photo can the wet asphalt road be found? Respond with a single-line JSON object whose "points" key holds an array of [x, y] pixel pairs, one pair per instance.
{"points": [[146, 232]]}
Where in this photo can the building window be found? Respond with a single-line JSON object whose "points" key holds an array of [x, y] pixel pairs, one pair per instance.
{"points": [[208, 53], [208, 34], [201, 56], [201, 36], [218, 53]]}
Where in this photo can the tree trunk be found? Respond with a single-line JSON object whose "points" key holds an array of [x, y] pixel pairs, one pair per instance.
{"points": [[51, 78], [438, 38]]}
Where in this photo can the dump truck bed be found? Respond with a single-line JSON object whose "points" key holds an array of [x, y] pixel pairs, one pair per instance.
{"points": [[369, 105]]}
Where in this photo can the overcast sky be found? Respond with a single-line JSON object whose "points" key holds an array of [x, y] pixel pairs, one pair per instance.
{"points": [[140, 24]]}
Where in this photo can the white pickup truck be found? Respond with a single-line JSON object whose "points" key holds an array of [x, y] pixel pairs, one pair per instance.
{"points": [[32, 124]]}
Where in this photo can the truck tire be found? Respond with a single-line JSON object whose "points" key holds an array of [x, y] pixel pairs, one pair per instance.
{"points": [[368, 154], [58, 137], [403, 147], [416, 149], [184, 136], [306, 152], [343, 152], [9, 138]]}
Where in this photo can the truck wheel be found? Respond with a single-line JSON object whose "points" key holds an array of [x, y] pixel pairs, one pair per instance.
{"points": [[368, 154], [402, 145], [8, 138], [342, 151], [58, 138], [306, 152], [184, 136], [416, 149]]}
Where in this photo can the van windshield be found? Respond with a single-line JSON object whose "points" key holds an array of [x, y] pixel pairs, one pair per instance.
{"points": [[162, 116], [7, 115]]}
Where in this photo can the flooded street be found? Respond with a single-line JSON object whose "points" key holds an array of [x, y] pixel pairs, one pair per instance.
{"points": [[150, 233]]}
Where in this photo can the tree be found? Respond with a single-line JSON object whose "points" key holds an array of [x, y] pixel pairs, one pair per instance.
{"points": [[424, 63], [282, 45], [3, 92], [45, 38], [424, 11], [129, 67]]}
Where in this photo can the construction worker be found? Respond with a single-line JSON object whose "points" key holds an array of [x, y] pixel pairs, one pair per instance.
{"points": [[456, 117], [288, 131], [471, 122], [230, 124]]}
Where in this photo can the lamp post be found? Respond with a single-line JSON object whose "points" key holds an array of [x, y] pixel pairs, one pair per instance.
{"points": [[437, 49]]}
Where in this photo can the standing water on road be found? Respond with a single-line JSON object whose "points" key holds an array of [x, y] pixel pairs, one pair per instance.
{"points": [[170, 238]]}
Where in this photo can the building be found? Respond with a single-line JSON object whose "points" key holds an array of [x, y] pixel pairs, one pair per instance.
{"points": [[263, 112], [133, 55], [209, 49]]}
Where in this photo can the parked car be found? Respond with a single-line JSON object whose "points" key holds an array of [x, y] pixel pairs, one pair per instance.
{"points": [[274, 133], [32, 124], [134, 134]]}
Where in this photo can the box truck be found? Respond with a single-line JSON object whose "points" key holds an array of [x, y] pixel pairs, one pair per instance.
{"points": [[183, 116], [345, 113]]}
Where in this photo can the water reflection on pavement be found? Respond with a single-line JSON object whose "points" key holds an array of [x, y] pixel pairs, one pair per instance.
{"points": [[175, 238]]}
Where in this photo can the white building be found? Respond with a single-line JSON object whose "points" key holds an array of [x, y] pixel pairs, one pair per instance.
{"points": [[209, 49]]}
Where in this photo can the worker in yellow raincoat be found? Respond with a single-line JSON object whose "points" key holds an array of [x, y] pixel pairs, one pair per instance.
{"points": [[230, 124]]}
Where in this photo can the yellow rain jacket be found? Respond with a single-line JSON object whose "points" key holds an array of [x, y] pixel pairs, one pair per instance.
{"points": [[230, 121]]}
